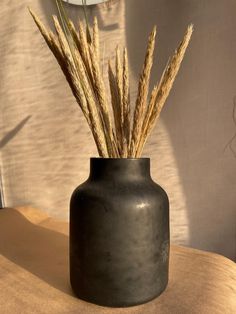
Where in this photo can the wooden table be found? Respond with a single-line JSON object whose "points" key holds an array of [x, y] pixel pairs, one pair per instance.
{"points": [[34, 273]]}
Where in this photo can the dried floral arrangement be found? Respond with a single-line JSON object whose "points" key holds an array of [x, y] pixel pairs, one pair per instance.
{"points": [[118, 132]]}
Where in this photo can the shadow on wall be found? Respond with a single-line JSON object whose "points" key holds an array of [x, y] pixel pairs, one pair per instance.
{"points": [[3, 142], [198, 112], [12, 133]]}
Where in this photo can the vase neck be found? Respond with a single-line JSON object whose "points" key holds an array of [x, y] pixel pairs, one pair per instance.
{"points": [[119, 168]]}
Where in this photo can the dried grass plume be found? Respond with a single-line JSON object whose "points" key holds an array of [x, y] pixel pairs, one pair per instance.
{"points": [[121, 134]]}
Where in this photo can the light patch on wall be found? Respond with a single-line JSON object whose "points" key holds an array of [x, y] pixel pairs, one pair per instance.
{"points": [[164, 170]]}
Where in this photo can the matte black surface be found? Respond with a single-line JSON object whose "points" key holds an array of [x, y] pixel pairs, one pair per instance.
{"points": [[119, 234]]}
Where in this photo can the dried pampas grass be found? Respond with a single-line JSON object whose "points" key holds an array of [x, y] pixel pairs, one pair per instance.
{"points": [[162, 90], [77, 52]]}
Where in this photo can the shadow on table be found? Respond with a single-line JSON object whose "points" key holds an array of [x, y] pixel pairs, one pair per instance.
{"points": [[41, 251]]}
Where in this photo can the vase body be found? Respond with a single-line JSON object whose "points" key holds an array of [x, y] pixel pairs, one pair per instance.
{"points": [[119, 234]]}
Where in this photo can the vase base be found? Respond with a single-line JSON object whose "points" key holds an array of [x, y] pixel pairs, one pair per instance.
{"points": [[120, 303]]}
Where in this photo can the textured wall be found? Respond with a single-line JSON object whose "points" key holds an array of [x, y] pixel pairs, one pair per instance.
{"points": [[45, 144]]}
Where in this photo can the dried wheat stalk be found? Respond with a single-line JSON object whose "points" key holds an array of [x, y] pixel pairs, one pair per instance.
{"points": [[81, 81], [119, 82], [161, 92], [100, 90], [126, 102], [85, 54], [115, 101], [95, 39], [63, 55], [77, 53], [95, 80], [75, 36], [142, 93], [55, 47]]}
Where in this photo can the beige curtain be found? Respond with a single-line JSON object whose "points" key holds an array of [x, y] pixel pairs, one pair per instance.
{"points": [[45, 143]]}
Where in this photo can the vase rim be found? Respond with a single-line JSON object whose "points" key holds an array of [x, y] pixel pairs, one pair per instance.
{"points": [[118, 158], [134, 168]]}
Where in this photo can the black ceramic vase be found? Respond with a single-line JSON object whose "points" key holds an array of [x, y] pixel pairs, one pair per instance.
{"points": [[119, 234]]}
